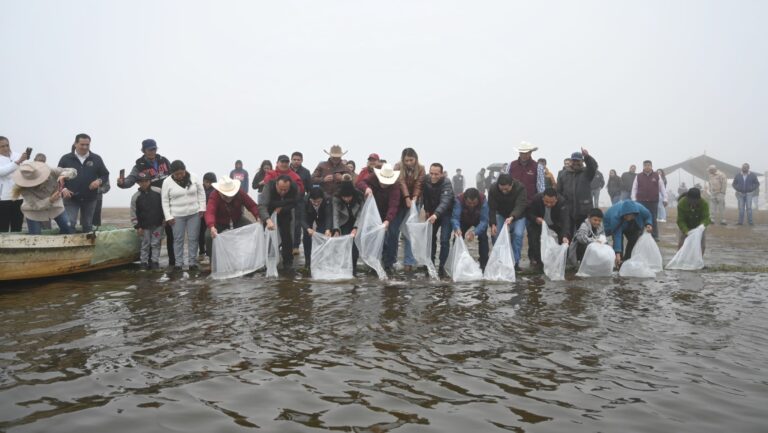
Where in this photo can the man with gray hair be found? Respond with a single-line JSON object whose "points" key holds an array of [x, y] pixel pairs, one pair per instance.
{"points": [[717, 185]]}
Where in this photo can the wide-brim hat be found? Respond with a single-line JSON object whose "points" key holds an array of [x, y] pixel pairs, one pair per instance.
{"points": [[386, 174], [335, 151], [526, 147], [227, 186], [31, 173]]}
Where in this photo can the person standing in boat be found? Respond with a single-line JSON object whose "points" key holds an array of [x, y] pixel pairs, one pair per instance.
{"points": [[40, 187], [11, 217], [158, 168], [81, 193], [147, 219], [183, 205]]}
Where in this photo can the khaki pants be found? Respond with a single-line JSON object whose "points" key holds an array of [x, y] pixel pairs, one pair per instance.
{"points": [[703, 241], [717, 207]]}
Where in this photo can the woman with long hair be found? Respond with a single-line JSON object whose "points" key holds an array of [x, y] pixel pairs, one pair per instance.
{"points": [[411, 182], [258, 178], [614, 186], [183, 198]]}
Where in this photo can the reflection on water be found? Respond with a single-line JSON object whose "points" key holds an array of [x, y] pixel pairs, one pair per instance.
{"points": [[124, 351]]}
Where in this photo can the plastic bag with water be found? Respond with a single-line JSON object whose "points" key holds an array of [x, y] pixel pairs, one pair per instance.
{"points": [[645, 261], [370, 237], [238, 252], [553, 255], [689, 257], [501, 263], [272, 247], [460, 265], [420, 236], [597, 261], [331, 257]]}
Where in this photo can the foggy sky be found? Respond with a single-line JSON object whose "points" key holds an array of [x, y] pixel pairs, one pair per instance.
{"points": [[461, 82]]}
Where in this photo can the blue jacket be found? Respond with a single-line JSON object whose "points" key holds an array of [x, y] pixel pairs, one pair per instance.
{"points": [[93, 168], [742, 186], [482, 227], [615, 225]]}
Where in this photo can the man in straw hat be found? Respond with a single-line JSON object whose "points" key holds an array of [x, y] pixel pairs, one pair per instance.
{"points": [[532, 175], [329, 174], [718, 183], [40, 187], [224, 210], [387, 195]]}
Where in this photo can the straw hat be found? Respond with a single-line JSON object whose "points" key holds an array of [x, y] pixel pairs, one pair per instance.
{"points": [[31, 173], [335, 151], [526, 147], [226, 186], [386, 175]]}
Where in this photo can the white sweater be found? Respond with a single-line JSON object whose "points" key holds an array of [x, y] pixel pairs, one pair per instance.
{"points": [[180, 202], [7, 167]]}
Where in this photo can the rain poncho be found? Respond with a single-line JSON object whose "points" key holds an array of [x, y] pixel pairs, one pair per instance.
{"points": [[331, 257], [645, 260], [272, 247], [460, 265], [501, 264], [689, 257], [553, 255], [598, 260], [238, 252], [420, 236], [370, 237]]}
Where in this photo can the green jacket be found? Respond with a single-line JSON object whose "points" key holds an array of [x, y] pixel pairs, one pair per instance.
{"points": [[689, 217]]}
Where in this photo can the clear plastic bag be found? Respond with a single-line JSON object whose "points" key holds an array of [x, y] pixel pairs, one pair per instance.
{"points": [[419, 234], [272, 247], [645, 261], [331, 257], [689, 257], [501, 263], [597, 261], [553, 255], [460, 265], [238, 252], [370, 237]]}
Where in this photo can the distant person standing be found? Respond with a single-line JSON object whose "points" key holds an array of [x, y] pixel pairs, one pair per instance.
{"points": [[11, 217], [718, 183], [663, 201], [527, 171], [81, 193], [746, 185], [479, 181], [239, 173], [258, 178], [614, 186], [627, 180], [597, 185], [648, 190], [458, 181]]}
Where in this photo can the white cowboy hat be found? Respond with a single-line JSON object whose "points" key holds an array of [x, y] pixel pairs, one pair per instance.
{"points": [[335, 151], [226, 186], [31, 173], [526, 147], [386, 175]]}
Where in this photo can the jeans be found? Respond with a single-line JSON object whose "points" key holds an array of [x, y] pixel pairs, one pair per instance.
{"points": [[596, 197], [745, 203], [717, 207], [444, 225], [632, 233], [516, 231], [11, 217], [86, 208], [188, 225], [392, 241], [653, 208], [36, 227], [482, 240], [150, 245]]}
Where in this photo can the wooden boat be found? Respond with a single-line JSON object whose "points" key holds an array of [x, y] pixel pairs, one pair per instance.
{"points": [[25, 256]]}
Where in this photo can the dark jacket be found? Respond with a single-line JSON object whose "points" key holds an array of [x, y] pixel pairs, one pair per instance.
{"points": [[561, 221], [271, 200], [149, 210], [387, 200], [739, 183], [614, 220], [257, 179], [598, 182], [627, 180], [242, 176], [93, 168], [614, 186], [576, 187], [344, 212], [323, 216], [437, 198], [157, 171], [305, 176], [326, 168], [458, 182], [507, 205]]}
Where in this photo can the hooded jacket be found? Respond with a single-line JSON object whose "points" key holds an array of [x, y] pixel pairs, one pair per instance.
{"points": [[576, 187], [614, 221]]}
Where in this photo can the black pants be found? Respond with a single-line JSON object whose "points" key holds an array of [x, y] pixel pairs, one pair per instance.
{"points": [[345, 230], [169, 245], [11, 218], [307, 242], [653, 208], [202, 241], [534, 240], [632, 234], [97, 211], [482, 241], [285, 227]]}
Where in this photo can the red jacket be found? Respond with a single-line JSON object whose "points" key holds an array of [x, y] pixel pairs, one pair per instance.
{"points": [[274, 174], [219, 212]]}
